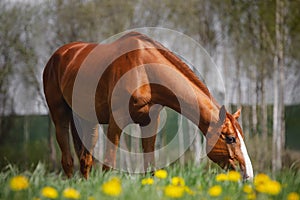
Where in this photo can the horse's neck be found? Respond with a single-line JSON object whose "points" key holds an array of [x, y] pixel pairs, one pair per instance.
{"points": [[185, 97]]}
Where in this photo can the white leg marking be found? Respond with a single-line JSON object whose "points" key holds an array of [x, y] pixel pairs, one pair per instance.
{"points": [[249, 168]]}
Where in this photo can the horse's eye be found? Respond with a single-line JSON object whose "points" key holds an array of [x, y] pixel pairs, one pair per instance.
{"points": [[230, 139]]}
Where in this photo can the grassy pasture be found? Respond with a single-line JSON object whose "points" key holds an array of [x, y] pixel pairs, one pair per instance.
{"points": [[199, 181], [191, 182]]}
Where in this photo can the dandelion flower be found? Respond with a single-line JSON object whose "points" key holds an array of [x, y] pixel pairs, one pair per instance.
{"points": [[18, 183], [264, 184], [177, 181], [221, 177], [261, 179], [112, 187], [147, 181], [274, 188], [234, 176], [174, 191], [215, 191], [269, 187], [293, 196], [71, 193], [162, 174], [49, 192], [247, 189]]}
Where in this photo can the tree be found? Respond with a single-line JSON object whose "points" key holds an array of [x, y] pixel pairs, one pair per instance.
{"points": [[278, 110], [17, 59]]}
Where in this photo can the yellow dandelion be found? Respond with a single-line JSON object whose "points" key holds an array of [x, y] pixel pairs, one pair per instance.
{"points": [[112, 187], [269, 187], [162, 174], [247, 189], [49, 192], [178, 181], [215, 191], [262, 188], [221, 177], [274, 188], [71, 193], [261, 179], [174, 191], [234, 176], [147, 181], [18, 183], [293, 196]]}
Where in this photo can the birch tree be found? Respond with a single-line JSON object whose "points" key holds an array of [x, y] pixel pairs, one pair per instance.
{"points": [[278, 110]]}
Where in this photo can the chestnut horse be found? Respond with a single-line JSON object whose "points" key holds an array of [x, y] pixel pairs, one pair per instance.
{"points": [[81, 80]]}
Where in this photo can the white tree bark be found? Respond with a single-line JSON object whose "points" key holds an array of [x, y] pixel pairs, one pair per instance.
{"points": [[278, 110]]}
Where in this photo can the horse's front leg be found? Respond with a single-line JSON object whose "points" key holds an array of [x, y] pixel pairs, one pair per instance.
{"points": [[148, 143], [112, 142]]}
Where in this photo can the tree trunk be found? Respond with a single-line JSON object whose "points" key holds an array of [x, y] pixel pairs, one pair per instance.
{"points": [[197, 146], [239, 87], [254, 102], [278, 110], [264, 121], [180, 140]]}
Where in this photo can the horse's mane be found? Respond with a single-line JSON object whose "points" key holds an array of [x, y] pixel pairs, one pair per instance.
{"points": [[185, 70], [170, 56]]}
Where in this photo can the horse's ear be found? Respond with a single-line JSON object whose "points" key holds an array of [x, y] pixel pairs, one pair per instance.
{"points": [[237, 114], [222, 115]]}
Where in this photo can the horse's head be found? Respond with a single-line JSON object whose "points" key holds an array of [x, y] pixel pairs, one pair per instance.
{"points": [[226, 144]]}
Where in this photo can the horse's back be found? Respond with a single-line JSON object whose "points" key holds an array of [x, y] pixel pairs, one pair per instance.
{"points": [[61, 69], [114, 59]]}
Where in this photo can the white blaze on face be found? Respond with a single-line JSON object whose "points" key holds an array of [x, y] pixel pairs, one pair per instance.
{"points": [[249, 169]]}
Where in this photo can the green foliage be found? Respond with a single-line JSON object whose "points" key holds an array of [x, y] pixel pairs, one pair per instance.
{"points": [[26, 141], [292, 119]]}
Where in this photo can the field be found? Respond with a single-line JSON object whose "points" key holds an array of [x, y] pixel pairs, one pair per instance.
{"points": [[31, 134], [180, 182], [28, 179]]}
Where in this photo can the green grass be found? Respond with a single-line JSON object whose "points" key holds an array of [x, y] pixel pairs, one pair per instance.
{"points": [[198, 178]]}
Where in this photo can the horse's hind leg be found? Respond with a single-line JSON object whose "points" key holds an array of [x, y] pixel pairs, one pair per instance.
{"points": [[85, 135], [61, 115], [76, 137]]}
